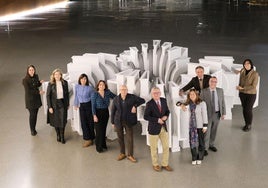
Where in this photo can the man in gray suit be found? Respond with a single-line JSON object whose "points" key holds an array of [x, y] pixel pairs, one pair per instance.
{"points": [[214, 98]]}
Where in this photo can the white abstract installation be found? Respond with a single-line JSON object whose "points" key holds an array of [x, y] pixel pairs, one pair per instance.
{"points": [[165, 66]]}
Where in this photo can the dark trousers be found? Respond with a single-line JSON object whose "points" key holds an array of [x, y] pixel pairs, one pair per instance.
{"points": [[33, 119], [87, 123], [198, 153], [210, 135], [129, 138], [100, 128], [247, 101]]}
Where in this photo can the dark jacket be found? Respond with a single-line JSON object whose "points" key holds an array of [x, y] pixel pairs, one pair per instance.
{"points": [[116, 112], [32, 93], [194, 83], [52, 99], [152, 114]]}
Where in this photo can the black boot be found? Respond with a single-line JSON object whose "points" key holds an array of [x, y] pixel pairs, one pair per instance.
{"points": [[62, 136], [33, 132], [58, 133], [245, 128]]}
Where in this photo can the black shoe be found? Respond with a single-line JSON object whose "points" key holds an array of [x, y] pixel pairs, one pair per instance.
{"points": [[33, 133], [206, 153], [213, 148], [99, 150], [245, 128], [62, 140]]}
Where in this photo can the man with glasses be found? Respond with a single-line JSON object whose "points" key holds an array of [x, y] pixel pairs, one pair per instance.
{"points": [[156, 113], [214, 98]]}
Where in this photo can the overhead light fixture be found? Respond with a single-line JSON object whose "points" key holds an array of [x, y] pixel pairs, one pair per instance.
{"points": [[42, 9]]}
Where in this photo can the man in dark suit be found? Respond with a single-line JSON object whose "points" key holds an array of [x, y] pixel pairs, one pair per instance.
{"points": [[124, 116], [199, 82], [214, 98], [157, 112]]}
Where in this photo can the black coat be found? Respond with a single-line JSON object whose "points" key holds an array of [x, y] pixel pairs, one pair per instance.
{"points": [[116, 112], [194, 83], [152, 114], [52, 101], [32, 93]]}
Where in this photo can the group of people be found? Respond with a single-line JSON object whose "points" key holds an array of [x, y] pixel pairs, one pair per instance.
{"points": [[205, 103]]}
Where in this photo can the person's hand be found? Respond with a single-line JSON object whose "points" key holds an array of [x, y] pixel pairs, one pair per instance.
{"points": [[50, 110], [239, 88], [113, 126], [164, 118], [160, 121], [183, 107], [95, 118], [204, 129], [41, 92], [76, 107], [134, 110], [181, 93], [41, 81], [222, 117], [236, 71]]}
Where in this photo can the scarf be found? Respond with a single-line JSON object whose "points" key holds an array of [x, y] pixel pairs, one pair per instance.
{"points": [[193, 127]]}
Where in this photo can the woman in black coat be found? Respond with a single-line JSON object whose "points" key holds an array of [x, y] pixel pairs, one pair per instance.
{"points": [[58, 103], [33, 102]]}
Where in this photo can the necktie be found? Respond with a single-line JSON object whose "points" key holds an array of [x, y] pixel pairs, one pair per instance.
{"points": [[213, 101], [201, 83], [159, 106]]}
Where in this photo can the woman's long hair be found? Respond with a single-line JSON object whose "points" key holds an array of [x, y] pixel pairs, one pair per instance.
{"points": [[52, 79], [198, 100]]}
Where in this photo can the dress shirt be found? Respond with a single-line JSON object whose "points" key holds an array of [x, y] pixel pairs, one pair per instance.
{"points": [[201, 82], [99, 102], [82, 94], [59, 90]]}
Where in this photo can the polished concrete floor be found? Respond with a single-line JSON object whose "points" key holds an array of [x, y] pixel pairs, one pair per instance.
{"points": [[50, 39]]}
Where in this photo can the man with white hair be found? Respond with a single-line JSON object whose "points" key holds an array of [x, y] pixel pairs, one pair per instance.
{"points": [[156, 113], [124, 116]]}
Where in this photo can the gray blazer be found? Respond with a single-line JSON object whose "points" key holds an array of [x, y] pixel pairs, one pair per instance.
{"points": [[200, 114], [206, 96]]}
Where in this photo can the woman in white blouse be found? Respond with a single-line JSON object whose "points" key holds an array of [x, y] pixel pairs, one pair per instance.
{"points": [[58, 103]]}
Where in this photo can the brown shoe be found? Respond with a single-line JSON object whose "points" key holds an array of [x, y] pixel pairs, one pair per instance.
{"points": [[121, 156], [167, 168], [87, 143], [132, 159], [157, 168]]}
